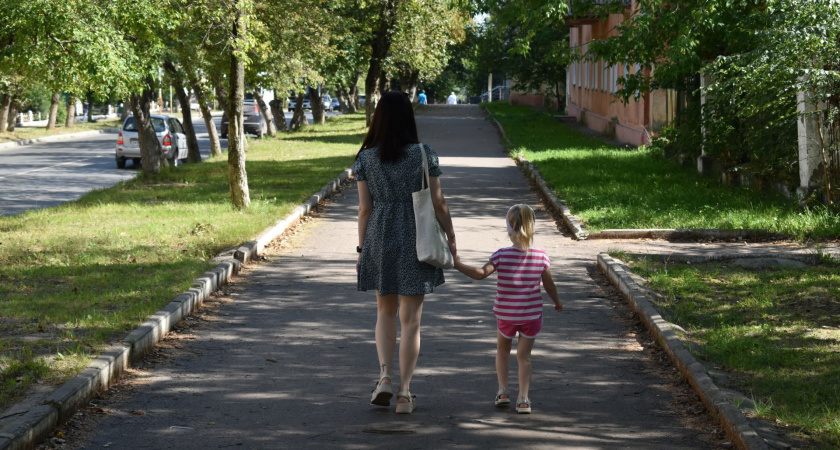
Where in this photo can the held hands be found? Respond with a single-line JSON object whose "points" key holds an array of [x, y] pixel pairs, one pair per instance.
{"points": [[558, 305]]}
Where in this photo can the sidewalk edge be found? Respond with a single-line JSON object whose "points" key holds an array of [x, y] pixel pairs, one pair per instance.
{"points": [[733, 421], [38, 423], [57, 137], [578, 228], [559, 205]]}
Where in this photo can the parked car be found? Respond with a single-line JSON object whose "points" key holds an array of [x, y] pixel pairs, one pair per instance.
{"points": [[362, 100], [293, 103], [327, 101], [169, 131], [335, 105], [253, 120]]}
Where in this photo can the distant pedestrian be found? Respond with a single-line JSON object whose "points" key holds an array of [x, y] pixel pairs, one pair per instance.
{"points": [[518, 305], [388, 168], [452, 99], [421, 97]]}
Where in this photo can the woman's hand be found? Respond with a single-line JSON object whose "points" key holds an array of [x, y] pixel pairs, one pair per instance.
{"points": [[452, 247]]}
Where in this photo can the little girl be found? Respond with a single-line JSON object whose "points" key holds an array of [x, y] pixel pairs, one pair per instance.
{"points": [[518, 306]]}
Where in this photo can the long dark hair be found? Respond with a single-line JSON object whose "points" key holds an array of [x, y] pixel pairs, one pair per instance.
{"points": [[393, 127]]}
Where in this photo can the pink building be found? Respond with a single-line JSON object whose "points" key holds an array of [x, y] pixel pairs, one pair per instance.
{"points": [[590, 86]]}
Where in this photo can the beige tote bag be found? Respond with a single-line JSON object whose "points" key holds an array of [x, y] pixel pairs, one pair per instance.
{"points": [[432, 247]]}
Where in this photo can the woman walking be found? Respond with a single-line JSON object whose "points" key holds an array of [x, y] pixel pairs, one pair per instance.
{"points": [[388, 169]]}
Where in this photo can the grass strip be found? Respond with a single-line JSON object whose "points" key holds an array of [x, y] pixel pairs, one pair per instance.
{"points": [[773, 330], [22, 133], [616, 188], [78, 276]]}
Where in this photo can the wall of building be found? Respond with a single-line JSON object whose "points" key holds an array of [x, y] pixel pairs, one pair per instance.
{"points": [[590, 86]]}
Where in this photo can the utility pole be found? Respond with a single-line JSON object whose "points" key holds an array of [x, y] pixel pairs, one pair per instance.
{"points": [[490, 87]]}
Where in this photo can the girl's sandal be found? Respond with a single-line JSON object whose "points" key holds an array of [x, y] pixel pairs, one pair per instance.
{"points": [[382, 393], [523, 409], [407, 407], [502, 401]]}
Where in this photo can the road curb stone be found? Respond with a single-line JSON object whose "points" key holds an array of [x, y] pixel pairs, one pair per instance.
{"points": [[578, 228], [38, 423], [572, 222], [733, 421]]}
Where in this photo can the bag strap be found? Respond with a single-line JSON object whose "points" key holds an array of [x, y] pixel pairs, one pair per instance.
{"points": [[425, 168]]}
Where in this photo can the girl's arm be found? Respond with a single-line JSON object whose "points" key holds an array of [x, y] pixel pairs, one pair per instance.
{"points": [[551, 289], [365, 208], [474, 272]]}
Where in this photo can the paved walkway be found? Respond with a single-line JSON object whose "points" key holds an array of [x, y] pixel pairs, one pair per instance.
{"points": [[292, 360]]}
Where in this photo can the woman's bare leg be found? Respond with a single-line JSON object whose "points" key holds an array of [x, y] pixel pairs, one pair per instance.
{"points": [[386, 332], [411, 311]]}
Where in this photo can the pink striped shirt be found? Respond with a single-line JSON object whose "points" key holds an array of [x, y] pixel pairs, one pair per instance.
{"points": [[518, 293]]}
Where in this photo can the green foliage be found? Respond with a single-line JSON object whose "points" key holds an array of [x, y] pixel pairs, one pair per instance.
{"points": [[774, 329], [616, 188], [85, 273], [758, 55]]}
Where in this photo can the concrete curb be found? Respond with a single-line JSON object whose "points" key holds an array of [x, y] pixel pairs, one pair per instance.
{"points": [[573, 222], [733, 421], [681, 233], [578, 228], [37, 424], [58, 137]]}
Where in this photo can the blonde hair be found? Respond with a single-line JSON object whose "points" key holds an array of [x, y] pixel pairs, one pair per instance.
{"points": [[520, 219]]}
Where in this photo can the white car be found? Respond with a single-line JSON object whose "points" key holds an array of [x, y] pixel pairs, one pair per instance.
{"points": [[170, 133]]}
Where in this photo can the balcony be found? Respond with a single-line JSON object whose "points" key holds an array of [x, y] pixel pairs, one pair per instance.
{"points": [[583, 12]]}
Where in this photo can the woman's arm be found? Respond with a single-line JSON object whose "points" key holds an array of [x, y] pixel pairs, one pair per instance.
{"points": [[442, 213], [365, 208]]}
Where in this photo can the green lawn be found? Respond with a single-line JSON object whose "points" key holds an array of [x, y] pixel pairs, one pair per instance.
{"points": [[76, 277], [21, 133], [775, 331], [615, 188]]}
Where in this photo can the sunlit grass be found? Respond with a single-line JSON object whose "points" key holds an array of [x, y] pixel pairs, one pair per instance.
{"points": [[22, 133], [774, 330], [615, 188], [75, 277]]}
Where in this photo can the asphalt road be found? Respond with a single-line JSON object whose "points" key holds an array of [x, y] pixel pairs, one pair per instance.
{"points": [[48, 174]]}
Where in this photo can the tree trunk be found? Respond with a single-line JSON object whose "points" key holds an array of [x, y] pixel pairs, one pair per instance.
{"points": [[341, 94], [89, 99], [277, 107], [316, 102], [5, 105], [222, 96], [215, 145], [237, 176], [380, 46], [266, 113], [126, 109], [71, 111], [299, 117], [151, 154], [13, 112], [408, 81], [193, 152], [56, 97]]}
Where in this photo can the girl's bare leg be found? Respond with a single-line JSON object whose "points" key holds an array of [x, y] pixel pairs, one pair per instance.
{"points": [[503, 360], [523, 357], [386, 332], [411, 311]]}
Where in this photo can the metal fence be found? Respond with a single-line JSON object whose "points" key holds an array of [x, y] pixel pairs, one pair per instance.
{"points": [[498, 94]]}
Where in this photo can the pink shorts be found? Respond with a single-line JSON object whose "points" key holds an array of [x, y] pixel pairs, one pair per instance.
{"points": [[529, 329]]}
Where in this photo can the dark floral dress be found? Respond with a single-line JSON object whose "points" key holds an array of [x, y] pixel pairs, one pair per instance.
{"points": [[389, 258]]}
